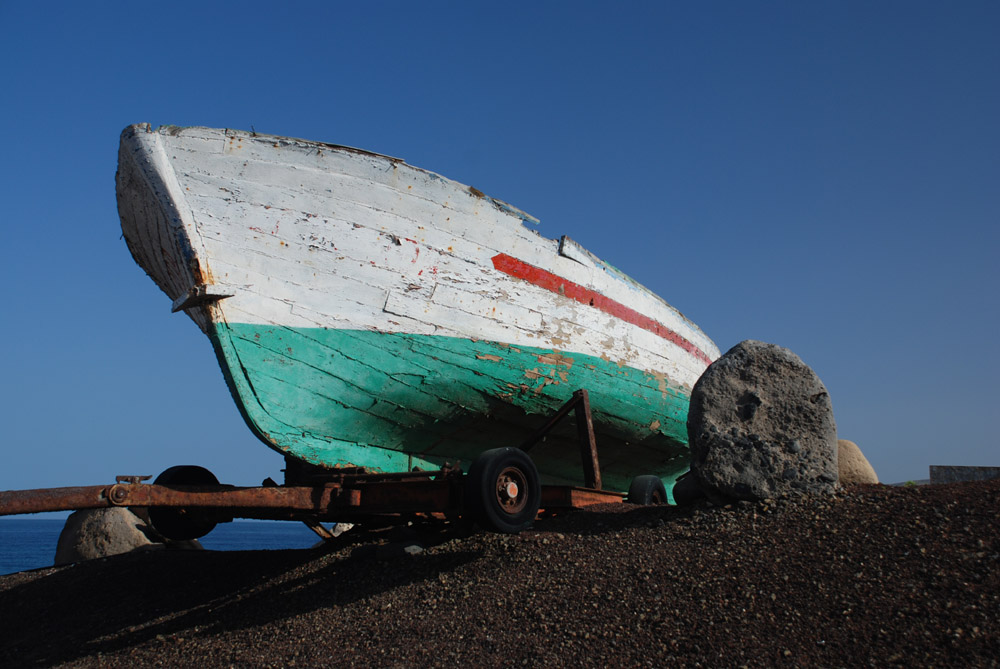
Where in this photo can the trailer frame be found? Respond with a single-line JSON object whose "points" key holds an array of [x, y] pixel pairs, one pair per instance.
{"points": [[315, 495]]}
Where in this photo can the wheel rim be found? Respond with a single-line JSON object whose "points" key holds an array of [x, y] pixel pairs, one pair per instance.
{"points": [[512, 490]]}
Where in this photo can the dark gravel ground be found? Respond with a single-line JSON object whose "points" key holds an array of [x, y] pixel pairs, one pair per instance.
{"points": [[874, 575]]}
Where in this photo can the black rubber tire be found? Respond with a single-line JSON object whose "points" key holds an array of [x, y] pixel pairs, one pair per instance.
{"points": [[647, 489], [181, 524], [686, 490], [487, 490]]}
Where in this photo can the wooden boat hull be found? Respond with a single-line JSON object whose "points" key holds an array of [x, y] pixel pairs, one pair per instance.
{"points": [[369, 313]]}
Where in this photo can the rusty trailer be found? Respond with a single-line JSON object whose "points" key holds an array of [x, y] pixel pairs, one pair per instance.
{"points": [[501, 491]]}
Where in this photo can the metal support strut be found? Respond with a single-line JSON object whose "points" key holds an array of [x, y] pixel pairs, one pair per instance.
{"points": [[585, 429]]}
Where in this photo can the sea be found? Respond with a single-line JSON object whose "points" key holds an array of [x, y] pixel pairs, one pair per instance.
{"points": [[30, 543]]}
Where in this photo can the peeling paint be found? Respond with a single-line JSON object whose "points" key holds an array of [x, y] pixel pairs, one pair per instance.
{"points": [[574, 291], [555, 359], [661, 382]]}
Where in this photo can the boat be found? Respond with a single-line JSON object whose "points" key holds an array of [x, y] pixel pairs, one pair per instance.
{"points": [[370, 314]]}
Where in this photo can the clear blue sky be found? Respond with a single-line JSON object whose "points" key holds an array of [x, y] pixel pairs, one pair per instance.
{"points": [[820, 175]]}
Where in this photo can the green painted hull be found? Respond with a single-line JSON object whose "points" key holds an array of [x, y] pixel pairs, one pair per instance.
{"points": [[391, 402]]}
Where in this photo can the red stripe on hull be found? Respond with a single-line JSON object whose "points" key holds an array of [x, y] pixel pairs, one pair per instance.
{"points": [[574, 291]]}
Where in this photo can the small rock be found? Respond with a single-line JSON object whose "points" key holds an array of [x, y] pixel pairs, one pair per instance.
{"points": [[97, 533], [853, 465], [397, 549]]}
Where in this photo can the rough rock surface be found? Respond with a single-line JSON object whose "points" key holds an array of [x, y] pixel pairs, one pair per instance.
{"points": [[871, 576], [853, 465], [97, 533], [761, 423]]}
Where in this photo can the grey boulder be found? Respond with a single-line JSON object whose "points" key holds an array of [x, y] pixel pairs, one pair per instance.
{"points": [[761, 424]]}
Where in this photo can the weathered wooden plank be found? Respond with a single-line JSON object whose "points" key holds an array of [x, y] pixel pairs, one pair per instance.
{"points": [[552, 306], [265, 172]]}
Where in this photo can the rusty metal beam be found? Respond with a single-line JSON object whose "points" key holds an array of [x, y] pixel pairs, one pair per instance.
{"points": [[375, 497], [537, 435], [567, 497], [320, 531], [13, 502], [580, 402], [427, 497], [588, 443]]}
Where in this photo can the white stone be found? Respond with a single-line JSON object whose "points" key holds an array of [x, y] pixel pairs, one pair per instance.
{"points": [[854, 466], [96, 533]]}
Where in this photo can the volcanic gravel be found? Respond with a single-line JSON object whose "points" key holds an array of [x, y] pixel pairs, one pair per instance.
{"points": [[873, 575]]}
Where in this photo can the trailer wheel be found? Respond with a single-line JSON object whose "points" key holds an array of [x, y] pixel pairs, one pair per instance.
{"points": [[503, 491], [646, 490], [686, 490], [176, 523]]}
